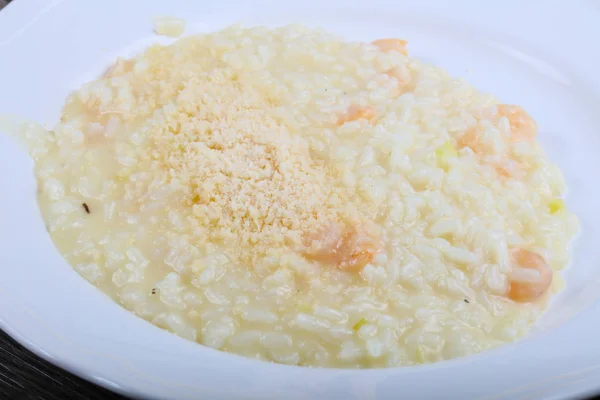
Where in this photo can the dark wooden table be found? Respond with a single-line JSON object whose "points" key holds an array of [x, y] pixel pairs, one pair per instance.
{"points": [[24, 376]]}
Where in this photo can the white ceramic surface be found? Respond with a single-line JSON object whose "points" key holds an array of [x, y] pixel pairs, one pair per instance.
{"points": [[540, 54]]}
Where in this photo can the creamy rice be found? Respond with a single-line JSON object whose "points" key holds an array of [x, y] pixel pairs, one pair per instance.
{"points": [[190, 184]]}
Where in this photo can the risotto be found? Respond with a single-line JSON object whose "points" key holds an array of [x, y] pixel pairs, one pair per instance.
{"points": [[291, 197]]}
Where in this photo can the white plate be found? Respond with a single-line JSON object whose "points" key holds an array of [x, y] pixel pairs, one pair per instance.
{"points": [[541, 54]]}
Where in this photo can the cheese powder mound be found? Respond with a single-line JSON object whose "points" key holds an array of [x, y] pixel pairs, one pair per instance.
{"points": [[235, 157], [250, 184]]}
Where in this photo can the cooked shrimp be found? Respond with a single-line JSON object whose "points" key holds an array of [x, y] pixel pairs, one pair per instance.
{"points": [[522, 126], [356, 112], [471, 139], [506, 172], [504, 165], [402, 75], [509, 169], [350, 249], [398, 45], [530, 276]]}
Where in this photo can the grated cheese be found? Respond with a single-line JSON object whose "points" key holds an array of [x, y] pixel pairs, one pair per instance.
{"points": [[250, 184]]}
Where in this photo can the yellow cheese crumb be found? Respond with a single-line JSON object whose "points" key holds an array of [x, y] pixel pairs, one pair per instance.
{"points": [[556, 206], [304, 307], [444, 153], [359, 324]]}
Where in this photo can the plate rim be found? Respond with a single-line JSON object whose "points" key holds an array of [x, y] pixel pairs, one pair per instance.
{"points": [[24, 12]]}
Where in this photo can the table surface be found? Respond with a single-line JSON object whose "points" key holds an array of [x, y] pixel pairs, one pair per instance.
{"points": [[23, 375]]}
